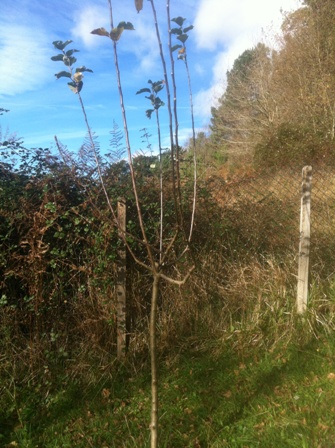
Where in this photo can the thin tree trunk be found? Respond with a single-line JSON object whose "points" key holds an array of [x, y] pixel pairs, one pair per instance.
{"points": [[153, 356]]}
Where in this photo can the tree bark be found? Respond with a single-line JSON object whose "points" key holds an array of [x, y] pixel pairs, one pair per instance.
{"points": [[153, 356]]}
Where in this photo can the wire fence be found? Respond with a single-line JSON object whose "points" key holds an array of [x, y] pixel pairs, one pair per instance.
{"points": [[264, 210]]}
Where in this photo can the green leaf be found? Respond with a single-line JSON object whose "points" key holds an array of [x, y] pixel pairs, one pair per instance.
{"points": [[69, 60], [59, 57], [157, 86], [63, 74], [151, 98], [183, 38], [176, 47], [176, 31], [158, 103], [100, 32], [60, 45], [126, 26], [149, 112], [189, 28], [79, 86], [72, 86], [83, 69], [143, 90], [178, 20], [70, 52]]}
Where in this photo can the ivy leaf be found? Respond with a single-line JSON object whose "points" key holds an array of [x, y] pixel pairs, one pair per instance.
{"points": [[100, 32], [83, 69], [183, 38], [178, 20], [60, 45], [189, 28], [149, 112], [143, 90], [63, 74], [59, 57], [175, 47], [176, 31]]}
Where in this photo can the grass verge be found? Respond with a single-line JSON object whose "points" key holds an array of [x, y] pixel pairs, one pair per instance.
{"points": [[211, 396]]}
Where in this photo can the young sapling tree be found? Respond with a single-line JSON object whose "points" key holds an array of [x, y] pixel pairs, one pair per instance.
{"points": [[158, 263]]}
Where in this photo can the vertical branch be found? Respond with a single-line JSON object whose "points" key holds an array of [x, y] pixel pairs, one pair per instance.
{"points": [[172, 143], [194, 148], [161, 218], [174, 101], [182, 55], [126, 133], [153, 357], [304, 246], [121, 281]]}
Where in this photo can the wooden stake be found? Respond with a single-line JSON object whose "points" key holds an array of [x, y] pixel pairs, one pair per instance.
{"points": [[305, 234]]}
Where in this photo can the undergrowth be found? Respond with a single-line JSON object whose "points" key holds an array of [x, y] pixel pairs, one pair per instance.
{"points": [[263, 379], [239, 368]]}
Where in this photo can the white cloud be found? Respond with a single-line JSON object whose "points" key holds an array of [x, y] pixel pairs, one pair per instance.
{"points": [[219, 23], [86, 20], [25, 59], [139, 43], [145, 47], [205, 99], [231, 28]]}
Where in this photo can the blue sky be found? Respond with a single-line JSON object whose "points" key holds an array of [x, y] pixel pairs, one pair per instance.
{"points": [[41, 106]]}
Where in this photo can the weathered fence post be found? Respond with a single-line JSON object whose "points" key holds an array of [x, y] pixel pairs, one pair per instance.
{"points": [[305, 233], [121, 281]]}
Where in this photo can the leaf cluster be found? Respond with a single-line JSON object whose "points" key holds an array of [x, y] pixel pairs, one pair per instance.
{"points": [[116, 32], [154, 99], [68, 60], [182, 35]]}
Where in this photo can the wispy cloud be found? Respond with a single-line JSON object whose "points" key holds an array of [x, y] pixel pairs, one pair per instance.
{"points": [[25, 59]]}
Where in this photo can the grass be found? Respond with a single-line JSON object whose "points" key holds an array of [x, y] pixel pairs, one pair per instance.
{"points": [[211, 396]]}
